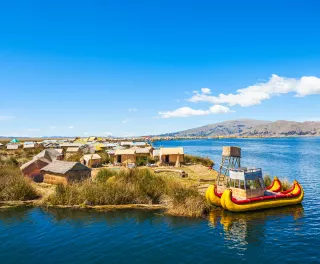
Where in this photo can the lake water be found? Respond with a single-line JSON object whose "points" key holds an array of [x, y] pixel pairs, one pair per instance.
{"points": [[284, 235]]}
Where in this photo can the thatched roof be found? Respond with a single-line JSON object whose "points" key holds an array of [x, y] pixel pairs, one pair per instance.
{"points": [[49, 154], [171, 151], [141, 150], [88, 157], [34, 164], [125, 152], [63, 167], [72, 149]]}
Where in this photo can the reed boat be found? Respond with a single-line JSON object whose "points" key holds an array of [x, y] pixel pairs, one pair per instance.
{"points": [[245, 191], [271, 200]]}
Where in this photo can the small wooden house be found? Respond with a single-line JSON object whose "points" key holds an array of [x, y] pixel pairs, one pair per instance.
{"points": [[33, 167], [141, 152], [65, 172], [30, 145], [125, 156], [13, 147], [91, 160], [72, 151], [171, 156]]}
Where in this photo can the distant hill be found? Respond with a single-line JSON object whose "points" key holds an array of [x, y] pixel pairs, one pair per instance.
{"points": [[249, 127]]}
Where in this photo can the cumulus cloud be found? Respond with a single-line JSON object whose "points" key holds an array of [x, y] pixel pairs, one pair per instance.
{"points": [[255, 94], [187, 111], [205, 90]]}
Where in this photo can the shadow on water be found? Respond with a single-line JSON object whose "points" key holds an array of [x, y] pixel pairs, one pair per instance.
{"points": [[15, 214], [252, 227]]}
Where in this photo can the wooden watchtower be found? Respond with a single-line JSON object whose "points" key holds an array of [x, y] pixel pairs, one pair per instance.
{"points": [[231, 157]]}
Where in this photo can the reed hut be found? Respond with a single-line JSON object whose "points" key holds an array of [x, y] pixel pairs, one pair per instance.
{"points": [[12, 147], [32, 168], [91, 160], [171, 156], [125, 156], [72, 151], [65, 172]]}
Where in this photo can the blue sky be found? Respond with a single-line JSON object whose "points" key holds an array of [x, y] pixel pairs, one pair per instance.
{"points": [[138, 67]]}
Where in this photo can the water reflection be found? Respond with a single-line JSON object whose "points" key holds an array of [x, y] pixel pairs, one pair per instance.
{"points": [[251, 227]]}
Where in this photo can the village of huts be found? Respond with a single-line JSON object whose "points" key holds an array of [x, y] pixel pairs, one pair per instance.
{"points": [[72, 160]]}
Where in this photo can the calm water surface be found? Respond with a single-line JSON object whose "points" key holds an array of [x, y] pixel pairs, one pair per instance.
{"points": [[286, 235]]}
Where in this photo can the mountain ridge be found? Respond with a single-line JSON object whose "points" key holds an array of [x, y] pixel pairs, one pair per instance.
{"points": [[252, 127]]}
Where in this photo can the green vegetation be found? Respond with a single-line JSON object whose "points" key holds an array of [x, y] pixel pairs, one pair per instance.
{"points": [[14, 186], [136, 186], [198, 160], [267, 180]]}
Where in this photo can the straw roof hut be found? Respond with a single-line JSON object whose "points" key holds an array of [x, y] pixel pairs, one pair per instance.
{"points": [[65, 172], [33, 167], [125, 156], [171, 155], [91, 160]]}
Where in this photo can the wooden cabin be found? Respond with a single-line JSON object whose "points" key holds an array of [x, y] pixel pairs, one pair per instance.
{"points": [[65, 172], [171, 156], [125, 156], [91, 160]]}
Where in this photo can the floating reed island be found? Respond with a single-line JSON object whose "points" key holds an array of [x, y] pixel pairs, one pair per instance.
{"points": [[95, 174]]}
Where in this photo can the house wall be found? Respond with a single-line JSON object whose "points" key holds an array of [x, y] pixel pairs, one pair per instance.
{"points": [[93, 163], [54, 179], [172, 158], [72, 176], [126, 158], [76, 176]]}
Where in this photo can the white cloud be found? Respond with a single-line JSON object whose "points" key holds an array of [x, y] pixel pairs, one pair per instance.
{"points": [[33, 129], [205, 90], [125, 121], [70, 127], [132, 109], [187, 111], [52, 127], [255, 94]]}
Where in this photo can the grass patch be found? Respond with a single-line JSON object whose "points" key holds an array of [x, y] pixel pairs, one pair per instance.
{"points": [[136, 186], [198, 160], [14, 186]]}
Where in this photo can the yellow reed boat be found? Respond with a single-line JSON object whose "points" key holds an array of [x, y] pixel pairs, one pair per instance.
{"points": [[245, 191]]}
